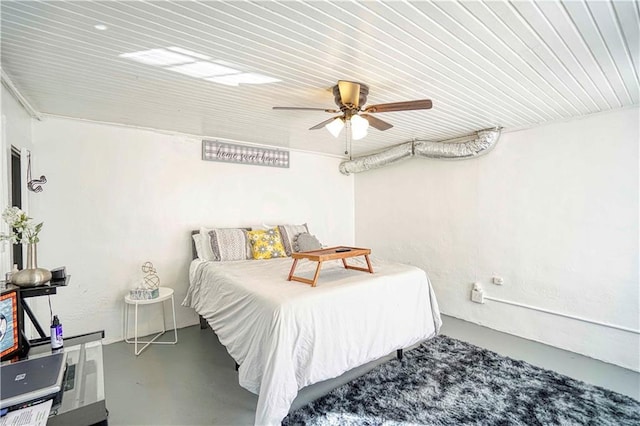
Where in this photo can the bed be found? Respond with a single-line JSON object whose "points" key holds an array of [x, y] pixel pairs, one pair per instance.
{"points": [[286, 335]]}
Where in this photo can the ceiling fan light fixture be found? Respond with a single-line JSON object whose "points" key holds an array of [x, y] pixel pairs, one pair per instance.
{"points": [[359, 127], [350, 97], [335, 126]]}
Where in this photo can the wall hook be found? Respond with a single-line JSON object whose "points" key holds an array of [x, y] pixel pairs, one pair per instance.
{"points": [[34, 185]]}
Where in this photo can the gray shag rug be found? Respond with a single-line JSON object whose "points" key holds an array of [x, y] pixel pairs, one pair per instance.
{"points": [[448, 382]]}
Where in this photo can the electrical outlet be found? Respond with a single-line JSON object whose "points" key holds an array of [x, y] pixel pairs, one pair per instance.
{"points": [[498, 280], [477, 294]]}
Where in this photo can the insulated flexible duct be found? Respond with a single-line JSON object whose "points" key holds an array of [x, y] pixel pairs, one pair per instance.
{"points": [[453, 149], [373, 161], [481, 144]]}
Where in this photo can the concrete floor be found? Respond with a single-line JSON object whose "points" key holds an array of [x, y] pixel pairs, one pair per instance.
{"points": [[195, 383]]}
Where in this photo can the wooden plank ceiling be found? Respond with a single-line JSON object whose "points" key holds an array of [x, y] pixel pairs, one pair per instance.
{"points": [[482, 63]]}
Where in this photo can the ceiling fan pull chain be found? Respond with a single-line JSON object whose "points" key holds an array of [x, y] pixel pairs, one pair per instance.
{"points": [[347, 132], [347, 139], [350, 149], [346, 142]]}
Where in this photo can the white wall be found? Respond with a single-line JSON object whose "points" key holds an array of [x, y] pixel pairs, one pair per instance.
{"points": [[553, 210], [15, 129], [18, 121], [117, 197]]}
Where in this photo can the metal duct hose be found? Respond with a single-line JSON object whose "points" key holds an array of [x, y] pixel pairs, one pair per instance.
{"points": [[482, 143], [373, 161]]}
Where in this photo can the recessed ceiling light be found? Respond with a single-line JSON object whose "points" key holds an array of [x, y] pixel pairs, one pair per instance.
{"points": [[243, 78], [100, 27], [160, 57], [203, 69], [188, 52]]}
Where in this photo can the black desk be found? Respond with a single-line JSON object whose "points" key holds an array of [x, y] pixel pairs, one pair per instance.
{"points": [[42, 290]]}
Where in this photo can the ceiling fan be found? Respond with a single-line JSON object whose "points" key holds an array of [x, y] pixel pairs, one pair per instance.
{"points": [[350, 98]]}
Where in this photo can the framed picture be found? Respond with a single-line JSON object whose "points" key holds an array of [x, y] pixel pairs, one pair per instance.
{"points": [[11, 342]]}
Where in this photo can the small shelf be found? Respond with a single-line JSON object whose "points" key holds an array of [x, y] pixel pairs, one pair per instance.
{"points": [[41, 290], [34, 291]]}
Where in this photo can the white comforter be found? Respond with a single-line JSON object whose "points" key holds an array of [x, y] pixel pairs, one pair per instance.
{"points": [[286, 335]]}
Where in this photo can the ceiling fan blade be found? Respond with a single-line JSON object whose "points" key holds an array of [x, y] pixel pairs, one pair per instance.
{"points": [[400, 106], [324, 123], [349, 92], [376, 122], [332, 111]]}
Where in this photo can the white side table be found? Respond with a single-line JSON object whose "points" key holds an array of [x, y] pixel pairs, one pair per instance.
{"points": [[165, 293]]}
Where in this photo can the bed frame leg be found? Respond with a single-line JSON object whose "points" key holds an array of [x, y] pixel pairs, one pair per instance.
{"points": [[237, 366], [399, 354], [203, 323]]}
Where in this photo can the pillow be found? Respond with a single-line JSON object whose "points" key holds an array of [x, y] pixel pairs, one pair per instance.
{"points": [[263, 227], [197, 242], [266, 244], [229, 244], [306, 242], [289, 233], [205, 253]]}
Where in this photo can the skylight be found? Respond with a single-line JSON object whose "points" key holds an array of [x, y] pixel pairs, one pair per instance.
{"points": [[244, 78], [188, 52], [158, 57], [197, 65], [203, 69]]}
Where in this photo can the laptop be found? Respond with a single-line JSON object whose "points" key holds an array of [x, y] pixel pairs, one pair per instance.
{"points": [[31, 380]]}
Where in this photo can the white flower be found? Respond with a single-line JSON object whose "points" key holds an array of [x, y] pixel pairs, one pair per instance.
{"points": [[11, 215], [22, 227], [9, 237]]}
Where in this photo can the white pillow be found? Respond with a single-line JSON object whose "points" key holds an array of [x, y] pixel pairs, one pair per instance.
{"points": [[289, 233], [206, 252], [263, 227], [197, 241]]}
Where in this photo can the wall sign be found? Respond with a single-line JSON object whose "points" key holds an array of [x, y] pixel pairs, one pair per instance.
{"points": [[242, 154]]}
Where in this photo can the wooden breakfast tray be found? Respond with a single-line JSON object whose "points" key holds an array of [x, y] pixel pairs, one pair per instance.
{"points": [[331, 253]]}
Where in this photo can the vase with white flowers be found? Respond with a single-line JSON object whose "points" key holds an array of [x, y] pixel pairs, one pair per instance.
{"points": [[24, 230]]}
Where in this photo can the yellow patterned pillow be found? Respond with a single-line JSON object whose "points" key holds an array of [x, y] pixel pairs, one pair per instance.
{"points": [[266, 244]]}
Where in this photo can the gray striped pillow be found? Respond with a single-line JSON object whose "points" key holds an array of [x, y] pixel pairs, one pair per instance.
{"points": [[289, 233], [229, 244]]}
